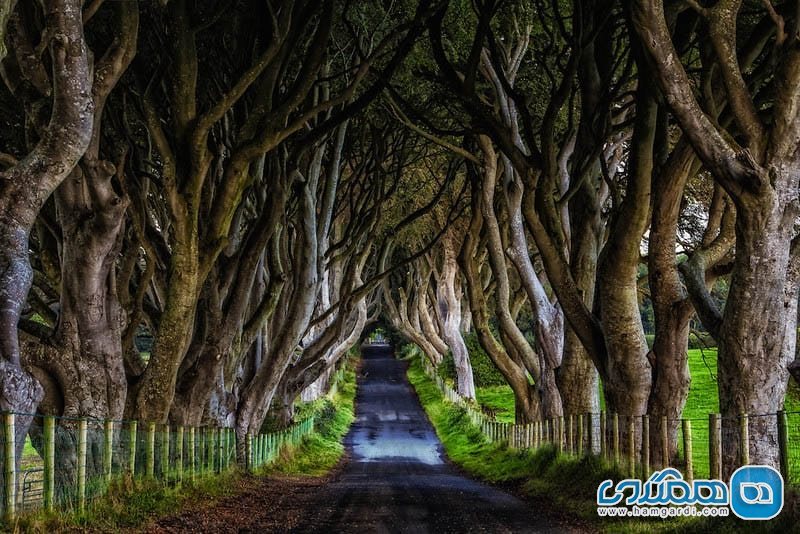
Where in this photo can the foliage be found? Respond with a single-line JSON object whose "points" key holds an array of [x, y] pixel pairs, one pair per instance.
{"points": [[484, 371]]}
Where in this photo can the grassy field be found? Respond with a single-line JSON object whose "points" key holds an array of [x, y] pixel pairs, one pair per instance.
{"points": [[703, 400], [541, 474]]}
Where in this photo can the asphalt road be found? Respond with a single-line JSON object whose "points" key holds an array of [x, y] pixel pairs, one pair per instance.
{"points": [[395, 478]]}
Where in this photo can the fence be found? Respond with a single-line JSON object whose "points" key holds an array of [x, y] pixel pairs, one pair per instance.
{"points": [[626, 440], [65, 463]]}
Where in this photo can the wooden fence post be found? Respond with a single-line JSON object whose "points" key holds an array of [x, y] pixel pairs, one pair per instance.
{"points": [[82, 434], [49, 462], [715, 446], [664, 443], [223, 445], [570, 435], [150, 455], [561, 434], [744, 439], [165, 453], [580, 435], [645, 446], [10, 457], [204, 449], [687, 449], [632, 446], [192, 466], [132, 442], [615, 437], [249, 452], [201, 448], [603, 436], [223, 449], [108, 448], [179, 452], [214, 449], [783, 444]]}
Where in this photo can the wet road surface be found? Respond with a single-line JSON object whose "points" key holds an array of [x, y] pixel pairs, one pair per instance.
{"points": [[397, 479]]}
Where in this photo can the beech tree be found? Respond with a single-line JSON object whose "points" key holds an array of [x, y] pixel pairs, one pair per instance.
{"points": [[205, 183], [755, 159], [535, 158], [56, 141], [254, 183]]}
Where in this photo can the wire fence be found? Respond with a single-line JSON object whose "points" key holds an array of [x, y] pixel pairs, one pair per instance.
{"points": [[699, 447], [66, 463]]}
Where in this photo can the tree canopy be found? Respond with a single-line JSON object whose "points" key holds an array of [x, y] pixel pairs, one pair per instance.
{"points": [[205, 202]]}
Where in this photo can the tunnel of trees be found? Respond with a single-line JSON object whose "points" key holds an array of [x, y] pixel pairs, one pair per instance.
{"points": [[204, 203]]}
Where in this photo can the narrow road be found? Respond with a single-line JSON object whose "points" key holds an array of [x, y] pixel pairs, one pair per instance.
{"points": [[396, 479]]}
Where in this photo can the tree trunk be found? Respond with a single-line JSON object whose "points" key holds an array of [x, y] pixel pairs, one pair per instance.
{"points": [[548, 318], [259, 393], [577, 376], [152, 397], [526, 398], [25, 187], [671, 308], [627, 373], [759, 321], [449, 301]]}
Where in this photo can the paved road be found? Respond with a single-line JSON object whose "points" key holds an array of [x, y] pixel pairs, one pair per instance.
{"points": [[397, 479]]}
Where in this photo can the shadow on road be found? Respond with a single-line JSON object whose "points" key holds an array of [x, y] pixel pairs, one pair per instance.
{"points": [[397, 479]]}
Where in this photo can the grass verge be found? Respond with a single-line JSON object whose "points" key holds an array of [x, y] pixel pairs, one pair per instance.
{"points": [[129, 504], [561, 483], [703, 399], [320, 452]]}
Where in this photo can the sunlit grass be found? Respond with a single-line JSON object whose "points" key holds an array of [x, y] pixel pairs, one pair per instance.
{"points": [[499, 399]]}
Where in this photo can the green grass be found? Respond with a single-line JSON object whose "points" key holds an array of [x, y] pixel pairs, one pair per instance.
{"points": [[563, 483], [320, 452], [500, 399], [703, 399], [130, 504]]}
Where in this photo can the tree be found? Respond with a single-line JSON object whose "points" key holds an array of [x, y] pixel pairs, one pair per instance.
{"points": [[755, 160], [63, 136]]}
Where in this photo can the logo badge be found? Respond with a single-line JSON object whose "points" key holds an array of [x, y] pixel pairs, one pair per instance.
{"points": [[756, 492]]}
